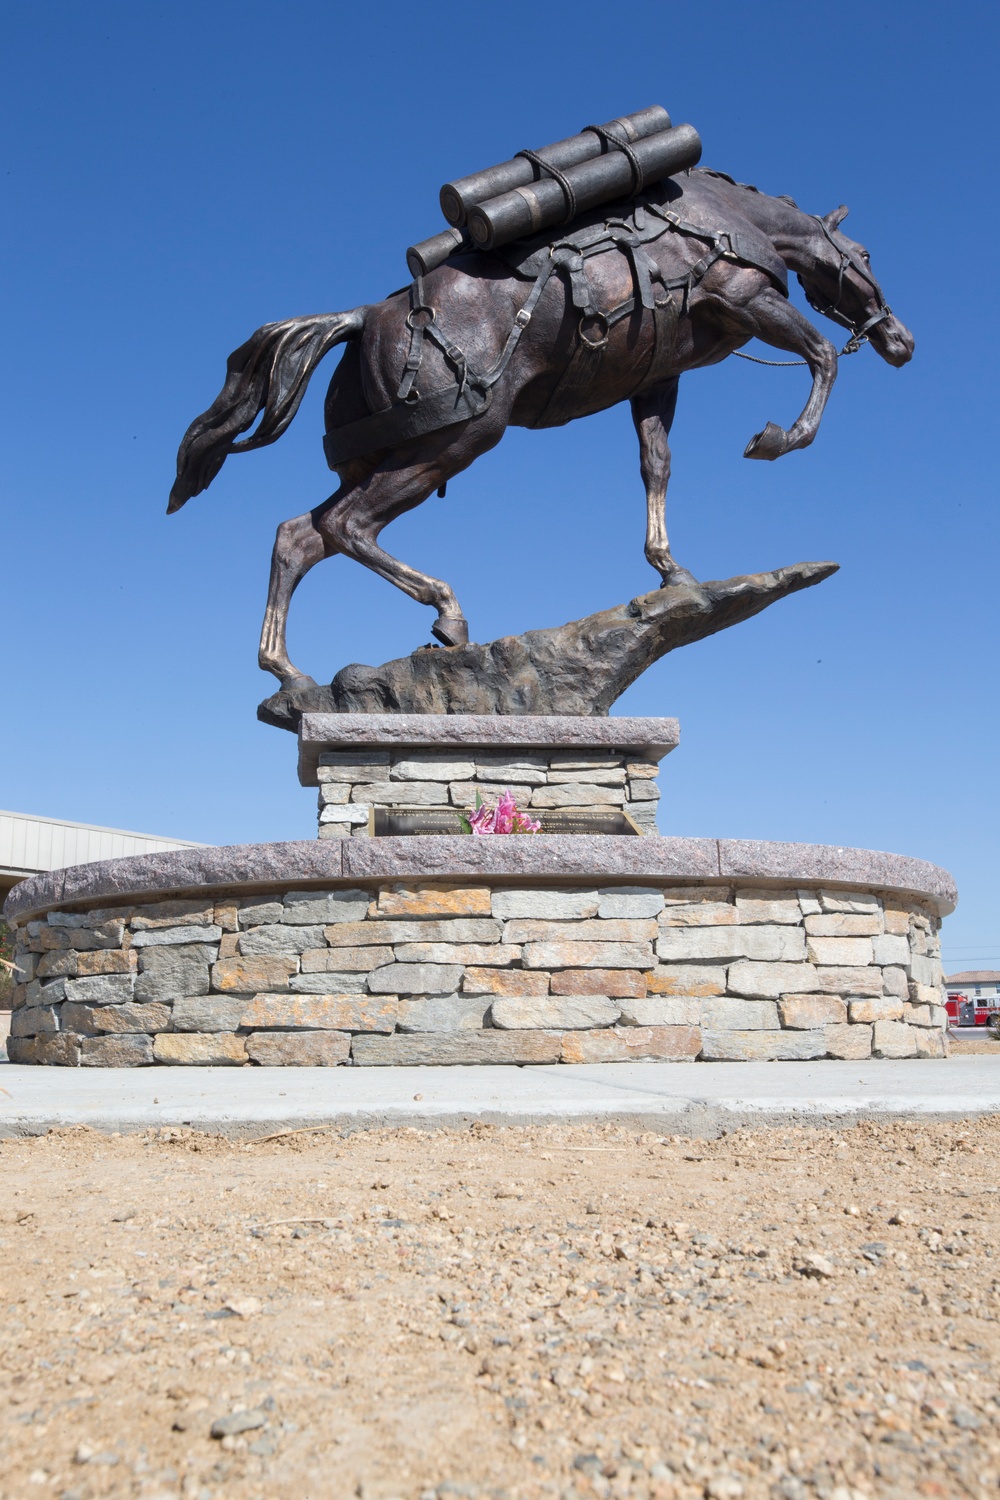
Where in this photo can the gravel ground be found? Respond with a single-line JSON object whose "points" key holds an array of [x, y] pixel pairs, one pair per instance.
{"points": [[502, 1313]]}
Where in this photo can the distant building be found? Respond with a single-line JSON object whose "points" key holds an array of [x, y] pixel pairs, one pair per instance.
{"points": [[973, 996], [29, 845]]}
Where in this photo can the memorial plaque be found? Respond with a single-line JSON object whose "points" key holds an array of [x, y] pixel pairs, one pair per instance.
{"points": [[390, 822]]}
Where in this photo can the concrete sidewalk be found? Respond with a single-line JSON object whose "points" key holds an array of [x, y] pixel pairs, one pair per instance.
{"points": [[697, 1099]]}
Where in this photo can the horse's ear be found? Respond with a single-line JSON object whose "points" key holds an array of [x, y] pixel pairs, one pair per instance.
{"points": [[836, 216]]}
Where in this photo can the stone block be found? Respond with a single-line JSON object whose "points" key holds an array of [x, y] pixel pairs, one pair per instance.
{"points": [[403, 794], [511, 771], [336, 982], [117, 1019], [51, 992], [568, 760], [196, 913], [587, 955], [60, 963], [432, 901], [725, 1014], [108, 934], [926, 971], [500, 954], [642, 791], [464, 793], [762, 944], [206, 1013], [632, 1044], [159, 937], [432, 767], [849, 952], [303, 1049], [218, 1049], [59, 1049], [845, 924], [852, 1043], [660, 1010], [284, 937], [245, 976], [440, 1049], [922, 1015], [697, 895], [334, 794], [83, 918], [33, 1020], [543, 905], [769, 981], [226, 914], [577, 794], [930, 1043], [440, 1013], [254, 913], [105, 989], [229, 945], [320, 1013], [895, 1039], [806, 1012], [590, 776], [457, 930], [126, 1051], [689, 980], [335, 831], [920, 994], [104, 961], [598, 930], [168, 973], [700, 914], [896, 920], [340, 960], [346, 815], [415, 979], [495, 762], [554, 1012], [514, 982], [630, 902], [768, 907], [878, 1008], [853, 901], [642, 768], [615, 983], [308, 907], [762, 1046], [838, 981], [895, 982]]}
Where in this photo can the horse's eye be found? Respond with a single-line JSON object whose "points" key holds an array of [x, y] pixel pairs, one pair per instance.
{"points": [[866, 257]]}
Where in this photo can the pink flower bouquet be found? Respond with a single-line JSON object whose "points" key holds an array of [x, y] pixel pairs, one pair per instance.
{"points": [[504, 818]]}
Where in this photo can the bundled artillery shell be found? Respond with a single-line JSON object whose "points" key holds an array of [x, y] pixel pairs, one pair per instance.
{"points": [[542, 205], [434, 252], [458, 198]]}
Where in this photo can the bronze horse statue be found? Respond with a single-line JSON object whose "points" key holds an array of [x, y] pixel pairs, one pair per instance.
{"points": [[433, 375]]}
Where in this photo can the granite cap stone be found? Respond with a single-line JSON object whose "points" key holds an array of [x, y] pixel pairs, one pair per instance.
{"points": [[651, 739]]}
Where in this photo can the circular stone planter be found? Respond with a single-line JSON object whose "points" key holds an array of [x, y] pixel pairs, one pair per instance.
{"points": [[462, 950]]}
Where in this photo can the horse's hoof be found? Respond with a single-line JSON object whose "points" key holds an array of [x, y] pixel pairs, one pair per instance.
{"points": [[292, 682], [679, 578], [451, 630], [771, 443]]}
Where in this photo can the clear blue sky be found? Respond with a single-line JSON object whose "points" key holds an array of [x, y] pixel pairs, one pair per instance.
{"points": [[177, 175]]}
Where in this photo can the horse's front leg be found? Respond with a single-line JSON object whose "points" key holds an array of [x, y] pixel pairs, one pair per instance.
{"points": [[653, 415], [776, 322]]}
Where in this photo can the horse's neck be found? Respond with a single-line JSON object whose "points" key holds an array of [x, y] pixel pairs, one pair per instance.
{"points": [[793, 234]]}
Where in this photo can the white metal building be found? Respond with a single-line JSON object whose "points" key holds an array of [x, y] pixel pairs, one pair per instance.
{"points": [[29, 845]]}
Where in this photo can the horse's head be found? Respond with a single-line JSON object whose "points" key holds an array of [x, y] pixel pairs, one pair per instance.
{"points": [[840, 284]]}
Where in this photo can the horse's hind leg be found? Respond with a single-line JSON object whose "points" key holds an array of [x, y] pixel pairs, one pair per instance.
{"points": [[653, 415], [298, 546], [352, 525]]}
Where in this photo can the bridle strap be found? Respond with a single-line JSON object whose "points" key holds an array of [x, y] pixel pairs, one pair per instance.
{"points": [[859, 332]]}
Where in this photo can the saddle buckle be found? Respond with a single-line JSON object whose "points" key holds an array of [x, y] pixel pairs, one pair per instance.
{"points": [[523, 318]]}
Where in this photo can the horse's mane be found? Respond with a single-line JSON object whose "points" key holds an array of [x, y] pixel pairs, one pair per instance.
{"points": [[748, 187]]}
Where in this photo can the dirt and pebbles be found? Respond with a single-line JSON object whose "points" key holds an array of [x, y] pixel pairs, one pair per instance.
{"points": [[502, 1314]]}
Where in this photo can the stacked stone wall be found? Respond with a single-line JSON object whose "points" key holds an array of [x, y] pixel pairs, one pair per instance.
{"points": [[353, 782], [419, 972]]}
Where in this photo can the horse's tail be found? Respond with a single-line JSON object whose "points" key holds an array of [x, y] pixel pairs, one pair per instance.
{"points": [[269, 374]]}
